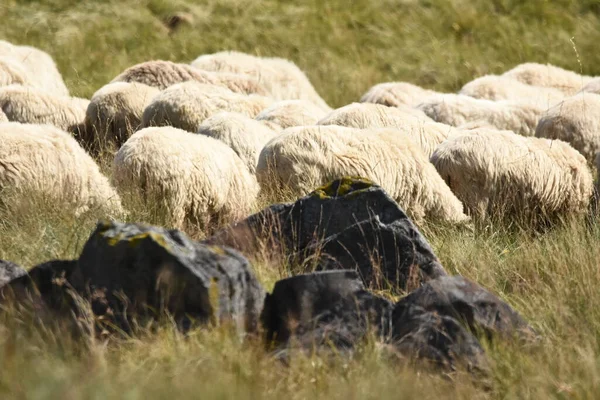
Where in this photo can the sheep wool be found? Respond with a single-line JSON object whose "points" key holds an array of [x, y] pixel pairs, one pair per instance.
{"points": [[421, 129], [43, 161], [592, 86], [115, 112], [282, 78], [186, 105], [12, 72], [548, 76], [41, 71], [287, 113], [502, 174], [162, 74], [494, 87], [456, 109], [3, 117], [576, 120], [34, 106], [244, 135], [193, 179], [396, 94], [302, 158]]}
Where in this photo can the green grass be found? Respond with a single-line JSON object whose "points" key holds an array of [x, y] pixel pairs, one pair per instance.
{"points": [[345, 47]]}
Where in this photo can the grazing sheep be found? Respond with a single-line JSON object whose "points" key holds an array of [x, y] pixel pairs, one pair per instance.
{"points": [[12, 72], [548, 76], [303, 158], [41, 71], [43, 161], [282, 78], [3, 117], [421, 129], [455, 110], [501, 174], [191, 178], [186, 105], [287, 113], [494, 87], [576, 120], [115, 112], [34, 106], [162, 74], [592, 86], [396, 94], [244, 135]]}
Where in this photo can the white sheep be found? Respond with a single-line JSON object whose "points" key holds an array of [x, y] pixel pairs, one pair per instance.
{"points": [[421, 129], [549, 76], [162, 74], [494, 87], [3, 117], [193, 179], [42, 72], [456, 109], [12, 72], [186, 105], [504, 175], [395, 94], [282, 78], [42, 161], [34, 106], [593, 86], [300, 159], [243, 134], [576, 120], [115, 112], [287, 113]]}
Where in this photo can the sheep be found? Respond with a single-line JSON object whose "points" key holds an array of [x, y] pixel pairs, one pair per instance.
{"points": [[41, 70], [302, 158], [186, 105], [244, 135], [548, 76], [593, 86], [396, 94], [12, 72], [287, 113], [282, 78], [42, 161], [501, 174], [115, 112], [162, 74], [494, 87], [3, 117], [421, 129], [576, 120], [35, 106], [456, 109], [193, 179]]}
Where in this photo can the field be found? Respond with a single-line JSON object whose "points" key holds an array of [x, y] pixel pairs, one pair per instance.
{"points": [[345, 47]]}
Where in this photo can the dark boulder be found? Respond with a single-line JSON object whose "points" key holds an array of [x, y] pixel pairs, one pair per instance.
{"points": [[139, 271], [351, 223], [10, 271]]}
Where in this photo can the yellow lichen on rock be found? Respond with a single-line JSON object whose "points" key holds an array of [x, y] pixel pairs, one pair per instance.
{"points": [[343, 186]]}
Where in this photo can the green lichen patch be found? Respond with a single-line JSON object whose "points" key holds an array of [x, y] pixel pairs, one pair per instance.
{"points": [[342, 187]]}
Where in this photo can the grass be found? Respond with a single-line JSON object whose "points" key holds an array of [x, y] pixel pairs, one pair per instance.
{"points": [[345, 47]]}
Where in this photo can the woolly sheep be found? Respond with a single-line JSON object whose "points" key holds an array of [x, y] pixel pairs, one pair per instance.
{"points": [[186, 105], [592, 86], [162, 74], [576, 120], [302, 158], [3, 117], [115, 112], [34, 106], [456, 109], [494, 87], [244, 135], [192, 178], [42, 160], [282, 78], [548, 76], [287, 113], [42, 72], [499, 173], [12, 72], [395, 94], [422, 130]]}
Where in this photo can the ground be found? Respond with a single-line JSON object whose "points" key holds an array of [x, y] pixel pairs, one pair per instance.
{"points": [[344, 47]]}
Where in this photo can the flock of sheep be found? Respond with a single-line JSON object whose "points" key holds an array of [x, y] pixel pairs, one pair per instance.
{"points": [[203, 141]]}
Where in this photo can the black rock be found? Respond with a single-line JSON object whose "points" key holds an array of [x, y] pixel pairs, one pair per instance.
{"points": [[330, 309], [10, 271], [350, 223], [141, 271]]}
